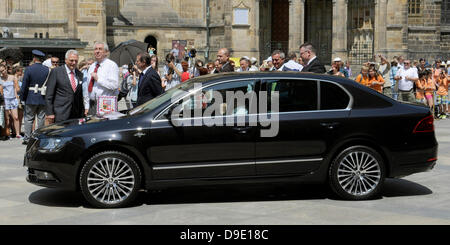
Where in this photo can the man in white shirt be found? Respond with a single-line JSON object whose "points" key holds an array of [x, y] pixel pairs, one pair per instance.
{"points": [[244, 63], [277, 60], [406, 77], [103, 78], [292, 64], [48, 61]]}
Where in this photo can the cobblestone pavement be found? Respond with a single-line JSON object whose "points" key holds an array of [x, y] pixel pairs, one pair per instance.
{"points": [[422, 198]]}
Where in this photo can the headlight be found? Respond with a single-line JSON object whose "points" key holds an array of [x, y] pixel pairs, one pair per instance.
{"points": [[52, 144]]}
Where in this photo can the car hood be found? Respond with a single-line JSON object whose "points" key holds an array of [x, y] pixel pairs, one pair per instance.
{"points": [[81, 126]]}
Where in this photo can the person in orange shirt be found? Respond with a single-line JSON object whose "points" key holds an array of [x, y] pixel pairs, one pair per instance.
{"points": [[430, 87], [376, 81], [420, 87], [442, 94], [363, 78]]}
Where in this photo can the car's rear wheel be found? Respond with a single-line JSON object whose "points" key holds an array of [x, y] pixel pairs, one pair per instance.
{"points": [[110, 179], [357, 173]]}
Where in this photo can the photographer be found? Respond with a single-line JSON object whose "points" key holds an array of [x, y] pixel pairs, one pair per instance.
{"points": [[132, 86], [172, 73]]}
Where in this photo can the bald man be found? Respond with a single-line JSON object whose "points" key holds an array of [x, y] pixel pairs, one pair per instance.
{"points": [[223, 55]]}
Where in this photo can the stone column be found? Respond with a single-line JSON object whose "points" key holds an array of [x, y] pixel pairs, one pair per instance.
{"points": [[296, 24], [256, 30], [71, 10], [339, 42], [380, 27]]}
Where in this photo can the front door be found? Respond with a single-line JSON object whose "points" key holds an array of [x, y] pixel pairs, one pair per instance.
{"points": [[204, 150]]}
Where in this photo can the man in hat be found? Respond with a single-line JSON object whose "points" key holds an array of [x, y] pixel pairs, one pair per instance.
{"points": [[31, 93], [340, 66]]}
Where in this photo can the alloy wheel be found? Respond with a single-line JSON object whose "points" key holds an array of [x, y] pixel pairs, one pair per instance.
{"points": [[110, 181], [359, 173]]}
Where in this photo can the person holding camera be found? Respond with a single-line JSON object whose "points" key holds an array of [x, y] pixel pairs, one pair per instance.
{"points": [[132, 86], [172, 72]]}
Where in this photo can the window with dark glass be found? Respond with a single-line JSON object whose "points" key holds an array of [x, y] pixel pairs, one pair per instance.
{"points": [[332, 97], [414, 7], [445, 12], [294, 95]]}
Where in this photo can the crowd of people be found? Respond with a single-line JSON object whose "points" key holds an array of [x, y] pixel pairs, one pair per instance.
{"points": [[49, 91], [409, 80]]}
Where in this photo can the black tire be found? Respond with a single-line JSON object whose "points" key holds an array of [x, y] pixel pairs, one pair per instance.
{"points": [[352, 183], [110, 179]]}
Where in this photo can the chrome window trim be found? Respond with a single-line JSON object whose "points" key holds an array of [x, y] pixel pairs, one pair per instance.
{"points": [[193, 92], [349, 106]]}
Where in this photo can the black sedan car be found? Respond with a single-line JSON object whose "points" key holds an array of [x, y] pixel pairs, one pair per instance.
{"points": [[239, 128]]}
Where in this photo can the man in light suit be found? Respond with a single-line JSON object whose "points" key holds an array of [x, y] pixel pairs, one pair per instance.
{"points": [[64, 95], [312, 63], [149, 85]]}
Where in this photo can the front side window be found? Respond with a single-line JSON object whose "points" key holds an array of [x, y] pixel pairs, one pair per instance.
{"points": [[294, 95], [223, 99]]}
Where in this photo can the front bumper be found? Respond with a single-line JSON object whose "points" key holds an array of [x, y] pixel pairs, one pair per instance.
{"points": [[54, 170]]}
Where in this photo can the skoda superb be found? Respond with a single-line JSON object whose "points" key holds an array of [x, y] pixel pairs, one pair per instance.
{"points": [[239, 128]]}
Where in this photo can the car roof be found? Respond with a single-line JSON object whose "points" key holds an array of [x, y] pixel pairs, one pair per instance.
{"points": [[268, 75], [363, 96]]}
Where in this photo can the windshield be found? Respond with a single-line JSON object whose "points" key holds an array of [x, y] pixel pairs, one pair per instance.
{"points": [[173, 93]]}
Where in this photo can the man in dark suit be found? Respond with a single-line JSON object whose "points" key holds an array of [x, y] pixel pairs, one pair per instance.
{"points": [[312, 63], [32, 85], [64, 95], [149, 85], [223, 55]]}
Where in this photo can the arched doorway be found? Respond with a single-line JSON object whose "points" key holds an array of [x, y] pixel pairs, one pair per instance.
{"points": [[151, 41], [318, 27], [273, 26]]}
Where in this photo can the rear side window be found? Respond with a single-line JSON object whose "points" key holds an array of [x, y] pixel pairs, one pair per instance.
{"points": [[332, 97], [295, 95]]}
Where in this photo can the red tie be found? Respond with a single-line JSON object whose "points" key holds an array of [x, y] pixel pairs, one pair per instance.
{"points": [[72, 81], [91, 83]]}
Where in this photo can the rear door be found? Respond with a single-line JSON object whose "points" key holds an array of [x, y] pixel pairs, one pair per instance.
{"points": [[305, 131]]}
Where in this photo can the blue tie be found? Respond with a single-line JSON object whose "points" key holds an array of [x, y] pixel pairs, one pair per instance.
{"points": [[141, 77]]}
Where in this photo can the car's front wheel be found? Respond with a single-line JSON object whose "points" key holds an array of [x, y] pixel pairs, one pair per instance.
{"points": [[357, 173], [110, 179]]}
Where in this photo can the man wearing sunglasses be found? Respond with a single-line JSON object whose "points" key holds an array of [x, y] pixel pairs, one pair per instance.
{"points": [[406, 77]]}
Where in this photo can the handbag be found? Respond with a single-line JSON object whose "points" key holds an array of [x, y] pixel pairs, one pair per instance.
{"points": [[44, 86], [41, 90]]}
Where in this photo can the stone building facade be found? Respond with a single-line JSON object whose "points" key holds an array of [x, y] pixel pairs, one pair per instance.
{"points": [[354, 30]]}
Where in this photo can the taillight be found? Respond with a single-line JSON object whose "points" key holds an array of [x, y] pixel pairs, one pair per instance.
{"points": [[425, 125]]}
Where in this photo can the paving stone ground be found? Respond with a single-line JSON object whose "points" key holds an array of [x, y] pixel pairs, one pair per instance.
{"points": [[422, 198]]}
